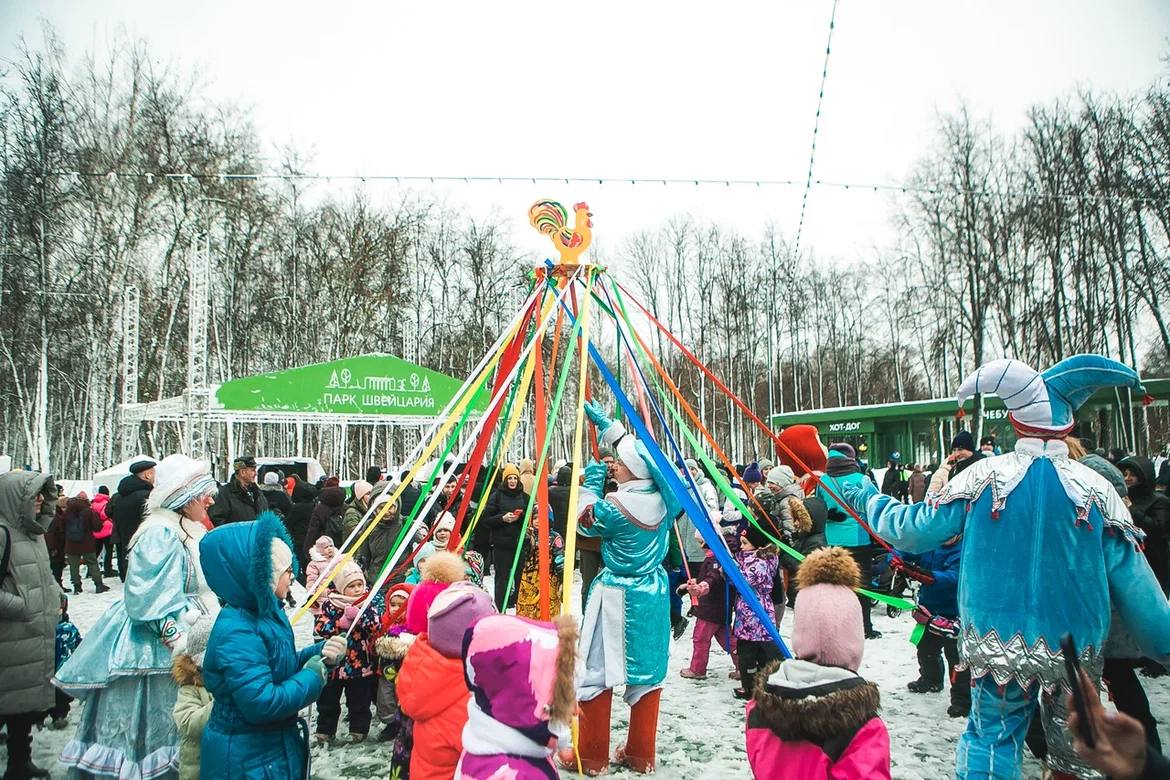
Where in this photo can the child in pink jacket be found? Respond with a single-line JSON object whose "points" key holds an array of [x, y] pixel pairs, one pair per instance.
{"points": [[814, 716], [322, 556]]}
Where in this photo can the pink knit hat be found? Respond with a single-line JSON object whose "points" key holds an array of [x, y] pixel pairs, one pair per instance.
{"points": [[453, 612], [350, 574], [419, 603], [827, 627]]}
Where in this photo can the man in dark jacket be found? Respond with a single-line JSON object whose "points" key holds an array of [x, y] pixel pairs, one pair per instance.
{"points": [[1151, 513], [894, 482], [127, 507], [240, 499], [297, 520]]}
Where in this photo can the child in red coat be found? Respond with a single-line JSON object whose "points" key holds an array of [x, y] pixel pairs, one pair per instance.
{"points": [[813, 716], [432, 689]]}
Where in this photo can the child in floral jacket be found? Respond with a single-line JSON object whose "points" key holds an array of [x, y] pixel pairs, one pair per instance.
{"points": [[354, 675], [759, 562]]}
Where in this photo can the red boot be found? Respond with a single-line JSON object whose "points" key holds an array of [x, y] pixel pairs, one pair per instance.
{"points": [[639, 751], [592, 744]]}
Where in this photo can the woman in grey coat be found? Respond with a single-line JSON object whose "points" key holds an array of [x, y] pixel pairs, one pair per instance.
{"points": [[30, 599]]}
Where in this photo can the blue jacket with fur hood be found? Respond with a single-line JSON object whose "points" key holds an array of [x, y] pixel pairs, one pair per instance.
{"points": [[252, 667]]}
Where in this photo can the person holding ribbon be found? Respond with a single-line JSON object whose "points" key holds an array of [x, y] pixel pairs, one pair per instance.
{"points": [[1048, 547], [626, 631]]}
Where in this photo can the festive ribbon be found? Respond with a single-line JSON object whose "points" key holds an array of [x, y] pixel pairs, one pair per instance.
{"points": [[528, 356], [426, 453], [579, 426], [725, 486], [768, 431], [556, 405], [472, 467], [675, 485], [540, 419]]}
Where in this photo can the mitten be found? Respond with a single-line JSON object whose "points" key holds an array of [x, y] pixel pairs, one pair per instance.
{"points": [[334, 649], [316, 664], [348, 616], [597, 415]]}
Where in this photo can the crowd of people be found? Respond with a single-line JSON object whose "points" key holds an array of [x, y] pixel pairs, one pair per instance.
{"points": [[427, 624]]}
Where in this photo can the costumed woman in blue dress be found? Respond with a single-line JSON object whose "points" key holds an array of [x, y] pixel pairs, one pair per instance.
{"points": [[626, 631], [121, 672]]}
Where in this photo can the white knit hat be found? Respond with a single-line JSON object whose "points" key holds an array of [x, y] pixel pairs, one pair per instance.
{"points": [[282, 559]]}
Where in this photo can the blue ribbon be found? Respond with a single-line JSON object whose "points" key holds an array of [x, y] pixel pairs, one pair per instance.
{"points": [[693, 509]]}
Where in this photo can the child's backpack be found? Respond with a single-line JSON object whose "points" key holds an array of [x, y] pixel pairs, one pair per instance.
{"points": [[74, 527]]}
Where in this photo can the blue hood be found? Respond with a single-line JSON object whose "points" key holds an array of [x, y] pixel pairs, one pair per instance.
{"points": [[237, 562]]}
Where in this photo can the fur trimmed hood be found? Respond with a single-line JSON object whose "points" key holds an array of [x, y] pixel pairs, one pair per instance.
{"points": [[237, 562], [185, 671], [393, 648], [803, 701], [522, 672]]}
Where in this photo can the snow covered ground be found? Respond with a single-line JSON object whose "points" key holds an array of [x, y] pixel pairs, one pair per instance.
{"points": [[701, 724]]}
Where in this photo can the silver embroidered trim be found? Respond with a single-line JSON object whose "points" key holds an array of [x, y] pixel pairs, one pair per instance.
{"points": [[1083, 486], [988, 654]]}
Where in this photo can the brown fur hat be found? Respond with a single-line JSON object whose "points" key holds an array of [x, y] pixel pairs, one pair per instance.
{"points": [[828, 566], [828, 714]]}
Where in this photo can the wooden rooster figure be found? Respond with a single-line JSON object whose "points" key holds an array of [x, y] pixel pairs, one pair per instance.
{"points": [[551, 219]]}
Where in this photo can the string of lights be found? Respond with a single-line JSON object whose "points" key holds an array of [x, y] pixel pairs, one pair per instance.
{"points": [[195, 177], [816, 127]]}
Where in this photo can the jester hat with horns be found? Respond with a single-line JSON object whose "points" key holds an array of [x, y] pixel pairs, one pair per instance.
{"points": [[1042, 405]]}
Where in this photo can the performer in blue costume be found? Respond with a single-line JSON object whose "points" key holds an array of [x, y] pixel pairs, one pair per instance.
{"points": [[1047, 547], [122, 669], [626, 630]]}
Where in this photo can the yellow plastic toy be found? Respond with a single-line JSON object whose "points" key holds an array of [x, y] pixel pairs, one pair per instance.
{"points": [[551, 219]]}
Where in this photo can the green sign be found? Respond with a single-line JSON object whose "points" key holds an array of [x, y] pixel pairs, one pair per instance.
{"points": [[366, 384], [846, 427]]}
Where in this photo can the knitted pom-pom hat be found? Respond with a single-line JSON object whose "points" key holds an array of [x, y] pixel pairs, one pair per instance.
{"points": [[827, 626]]}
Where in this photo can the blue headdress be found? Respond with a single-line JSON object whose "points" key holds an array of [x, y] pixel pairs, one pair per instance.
{"points": [[1043, 404]]}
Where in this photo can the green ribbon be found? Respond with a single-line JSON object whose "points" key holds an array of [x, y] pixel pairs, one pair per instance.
{"points": [[544, 448], [717, 475]]}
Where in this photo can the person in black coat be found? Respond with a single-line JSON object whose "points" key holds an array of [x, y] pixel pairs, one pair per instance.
{"points": [[278, 500], [240, 499], [300, 510], [127, 506], [327, 518], [558, 499], [1151, 513], [502, 516]]}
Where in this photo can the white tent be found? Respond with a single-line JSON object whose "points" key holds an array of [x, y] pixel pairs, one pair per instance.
{"points": [[113, 475]]}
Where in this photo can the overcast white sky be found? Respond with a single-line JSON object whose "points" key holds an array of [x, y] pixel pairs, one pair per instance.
{"points": [[631, 89]]}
